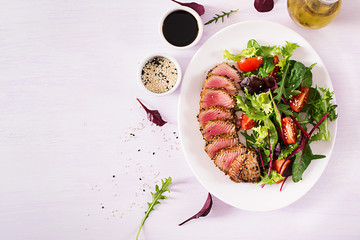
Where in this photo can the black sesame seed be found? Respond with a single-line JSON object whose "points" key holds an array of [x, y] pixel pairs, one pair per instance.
{"points": [[102, 207]]}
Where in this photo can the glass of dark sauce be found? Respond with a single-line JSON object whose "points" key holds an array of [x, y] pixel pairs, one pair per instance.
{"points": [[181, 27]]}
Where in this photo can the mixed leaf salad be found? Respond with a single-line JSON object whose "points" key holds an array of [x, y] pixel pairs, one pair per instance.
{"points": [[282, 108]]}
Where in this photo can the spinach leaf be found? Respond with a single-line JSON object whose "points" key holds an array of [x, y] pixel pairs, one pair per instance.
{"points": [[307, 81], [297, 74], [302, 161]]}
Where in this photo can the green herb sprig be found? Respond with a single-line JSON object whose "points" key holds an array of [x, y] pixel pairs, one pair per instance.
{"points": [[156, 196], [217, 17]]}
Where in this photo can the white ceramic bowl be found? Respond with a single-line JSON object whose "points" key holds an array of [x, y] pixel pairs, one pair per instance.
{"points": [[148, 58], [194, 14]]}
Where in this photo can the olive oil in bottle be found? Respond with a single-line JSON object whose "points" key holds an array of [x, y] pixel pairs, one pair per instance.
{"points": [[313, 14]]}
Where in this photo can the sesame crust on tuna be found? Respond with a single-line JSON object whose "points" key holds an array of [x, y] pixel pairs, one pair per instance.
{"points": [[238, 148], [238, 73], [227, 111], [229, 123], [245, 168], [218, 91], [220, 142], [227, 83]]}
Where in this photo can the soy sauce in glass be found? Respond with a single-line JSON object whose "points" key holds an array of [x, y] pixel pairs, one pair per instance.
{"points": [[180, 28]]}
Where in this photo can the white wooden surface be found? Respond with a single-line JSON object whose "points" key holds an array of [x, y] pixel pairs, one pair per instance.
{"points": [[69, 168]]}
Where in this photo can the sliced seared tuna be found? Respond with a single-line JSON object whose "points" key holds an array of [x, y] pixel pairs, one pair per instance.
{"points": [[218, 142], [245, 168], [217, 127], [216, 97], [217, 81], [214, 112], [225, 157], [224, 69]]}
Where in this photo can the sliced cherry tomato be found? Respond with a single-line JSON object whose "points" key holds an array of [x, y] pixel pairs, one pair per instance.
{"points": [[280, 165], [276, 69], [289, 130], [247, 123], [299, 100], [250, 64]]}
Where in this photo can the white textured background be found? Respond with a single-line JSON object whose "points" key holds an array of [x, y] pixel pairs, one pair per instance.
{"points": [[69, 168]]}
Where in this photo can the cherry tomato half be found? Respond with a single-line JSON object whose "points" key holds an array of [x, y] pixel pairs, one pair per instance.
{"points": [[250, 64]]}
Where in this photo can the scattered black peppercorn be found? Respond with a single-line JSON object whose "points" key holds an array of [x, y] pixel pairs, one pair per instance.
{"points": [[113, 176], [102, 207], [153, 153], [138, 150], [140, 179]]}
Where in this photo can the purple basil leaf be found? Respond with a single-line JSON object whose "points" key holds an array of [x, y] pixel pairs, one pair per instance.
{"points": [[264, 5], [197, 7], [153, 115], [203, 212]]}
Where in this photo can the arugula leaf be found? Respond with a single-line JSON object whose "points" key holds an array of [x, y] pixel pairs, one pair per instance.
{"points": [[250, 139], [272, 134], [302, 161], [272, 179], [156, 196], [281, 89], [284, 109]]}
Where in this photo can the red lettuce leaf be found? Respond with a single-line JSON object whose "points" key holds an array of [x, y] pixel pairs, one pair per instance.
{"points": [[203, 212], [153, 115], [197, 7]]}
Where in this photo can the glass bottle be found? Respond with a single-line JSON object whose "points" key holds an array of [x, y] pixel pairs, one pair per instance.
{"points": [[313, 14]]}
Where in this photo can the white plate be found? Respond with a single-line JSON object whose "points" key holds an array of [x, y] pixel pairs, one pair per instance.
{"points": [[243, 195]]}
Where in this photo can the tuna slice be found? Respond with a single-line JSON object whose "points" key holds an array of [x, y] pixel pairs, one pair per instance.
{"points": [[217, 127], [217, 81], [245, 168], [219, 142], [216, 97], [225, 157], [214, 112], [224, 69]]}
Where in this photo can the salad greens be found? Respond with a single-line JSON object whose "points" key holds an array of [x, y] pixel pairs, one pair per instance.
{"points": [[274, 108], [156, 196]]}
